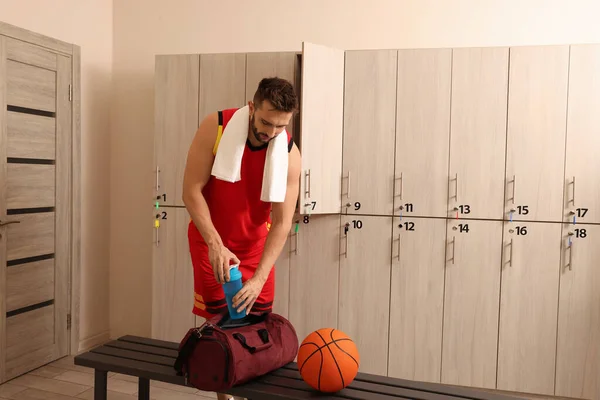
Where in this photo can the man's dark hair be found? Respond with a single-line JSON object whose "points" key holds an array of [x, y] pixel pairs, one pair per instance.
{"points": [[279, 92]]}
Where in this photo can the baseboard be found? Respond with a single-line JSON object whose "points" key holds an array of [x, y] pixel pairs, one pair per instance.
{"points": [[93, 341]]}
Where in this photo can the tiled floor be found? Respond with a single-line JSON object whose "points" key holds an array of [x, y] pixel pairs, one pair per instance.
{"points": [[63, 380]]}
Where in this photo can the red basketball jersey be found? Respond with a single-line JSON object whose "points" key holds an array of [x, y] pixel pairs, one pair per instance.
{"points": [[240, 217]]}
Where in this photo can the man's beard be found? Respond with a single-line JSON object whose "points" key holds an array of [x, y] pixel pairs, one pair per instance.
{"points": [[258, 135]]}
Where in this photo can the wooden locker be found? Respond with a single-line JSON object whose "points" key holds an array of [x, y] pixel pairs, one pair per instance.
{"points": [[369, 132], [578, 348], [582, 187], [417, 298], [478, 132], [528, 307], [471, 301], [321, 124], [314, 274], [535, 150], [222, 82], [268, 65], [422, 132], [364, 292], [176, 121], [172, 276]]}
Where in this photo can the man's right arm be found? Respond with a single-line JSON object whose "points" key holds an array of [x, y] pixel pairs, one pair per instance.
{"points": [[197, 173]]}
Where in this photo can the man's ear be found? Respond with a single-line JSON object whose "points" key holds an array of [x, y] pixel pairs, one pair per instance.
{"points": [[251, 106]]}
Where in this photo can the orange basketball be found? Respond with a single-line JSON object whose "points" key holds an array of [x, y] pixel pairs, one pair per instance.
{"points": [[328, 360]]}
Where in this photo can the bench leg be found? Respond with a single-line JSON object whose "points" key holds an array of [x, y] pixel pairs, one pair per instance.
{"points": [[100, 384], [143, 389]]}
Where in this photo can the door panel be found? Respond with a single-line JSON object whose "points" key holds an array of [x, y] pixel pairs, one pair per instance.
{"points": [[369, 132], [364, 301], [322, 119], [35, 174], [30, 136], [422, 132], [582, 191], [281, 302], [478, 132], [471, 302], [528, 307], [578, 356], [314, 269], [172, 276], [222, 82], [176, 122], [30, 186], [417, 298], [535, 150]]}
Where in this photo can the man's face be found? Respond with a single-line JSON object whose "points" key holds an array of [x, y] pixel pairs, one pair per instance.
{"points": [[266, 123]]}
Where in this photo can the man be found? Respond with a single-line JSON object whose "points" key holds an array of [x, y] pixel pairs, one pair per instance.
{"points": [[230, 223]]}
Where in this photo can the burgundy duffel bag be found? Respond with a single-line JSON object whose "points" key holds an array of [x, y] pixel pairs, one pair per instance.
{"points": [[223, 353]]}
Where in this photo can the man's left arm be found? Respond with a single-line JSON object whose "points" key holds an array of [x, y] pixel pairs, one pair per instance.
{"points": [[282, 215]]}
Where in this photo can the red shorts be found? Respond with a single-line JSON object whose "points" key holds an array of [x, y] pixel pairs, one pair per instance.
{"points": [[209, 299]]}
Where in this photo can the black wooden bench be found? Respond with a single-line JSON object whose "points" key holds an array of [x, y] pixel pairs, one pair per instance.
{"points": [[150, 359]]}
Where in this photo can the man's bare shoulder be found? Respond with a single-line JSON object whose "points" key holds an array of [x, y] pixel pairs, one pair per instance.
{"points": [[207, 131], [295, 162]]}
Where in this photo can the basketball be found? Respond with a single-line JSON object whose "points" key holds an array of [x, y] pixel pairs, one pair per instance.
{"points": [[328, 360]]}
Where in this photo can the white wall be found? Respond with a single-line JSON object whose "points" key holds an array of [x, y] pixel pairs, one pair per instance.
{"points": [[87, 24], [143, 28]]}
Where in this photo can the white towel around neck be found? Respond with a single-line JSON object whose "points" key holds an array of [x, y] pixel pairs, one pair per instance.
{"points": [[228, 160]]}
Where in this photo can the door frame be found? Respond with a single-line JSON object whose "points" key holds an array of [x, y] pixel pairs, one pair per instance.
{"points": [[74, 52]]}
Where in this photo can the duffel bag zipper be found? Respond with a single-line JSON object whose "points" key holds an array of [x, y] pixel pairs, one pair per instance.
{"points": [[209, 328]]}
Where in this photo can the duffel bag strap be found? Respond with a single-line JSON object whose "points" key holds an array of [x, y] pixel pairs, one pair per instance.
{"points": [[264, 336], [186, 351]]}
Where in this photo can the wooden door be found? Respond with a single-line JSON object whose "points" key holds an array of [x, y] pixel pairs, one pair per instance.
{"points": [[582, 190], [369, 132], [172, 276], [478, 132], [528, 307], [175, 122], [314, 274], [321, 124], [535, 150], [578, 349], [364, 300], [35, 206], [471, 301], [417, 298], [422, 132]]}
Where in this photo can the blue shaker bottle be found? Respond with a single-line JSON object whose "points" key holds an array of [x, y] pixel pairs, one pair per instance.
{"points": [[231, 288]]}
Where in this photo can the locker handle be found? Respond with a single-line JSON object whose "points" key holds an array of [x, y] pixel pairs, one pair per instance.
{"points": [[571, 256], [401, 185], [514, 184], [157, 172], [573, 201], [348, 191], [453, 249], [307, 183], [399, 236], [510, 253]]}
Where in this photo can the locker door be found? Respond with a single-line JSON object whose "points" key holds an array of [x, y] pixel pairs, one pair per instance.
{"points": [[422, 132], [582, 191], [471, 300], [578, 357], [314, 274], [417, 298], [535, 151], [172, 276], [369, 132], [528, 307], [478, 132], [322, 119], [364, 301]]}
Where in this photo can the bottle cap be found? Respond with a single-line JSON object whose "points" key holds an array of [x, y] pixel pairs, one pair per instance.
{"points": [[234, 273]]}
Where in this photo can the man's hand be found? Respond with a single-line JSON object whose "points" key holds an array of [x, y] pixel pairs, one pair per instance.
{"points": [[245, 298], [220, 258]]}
